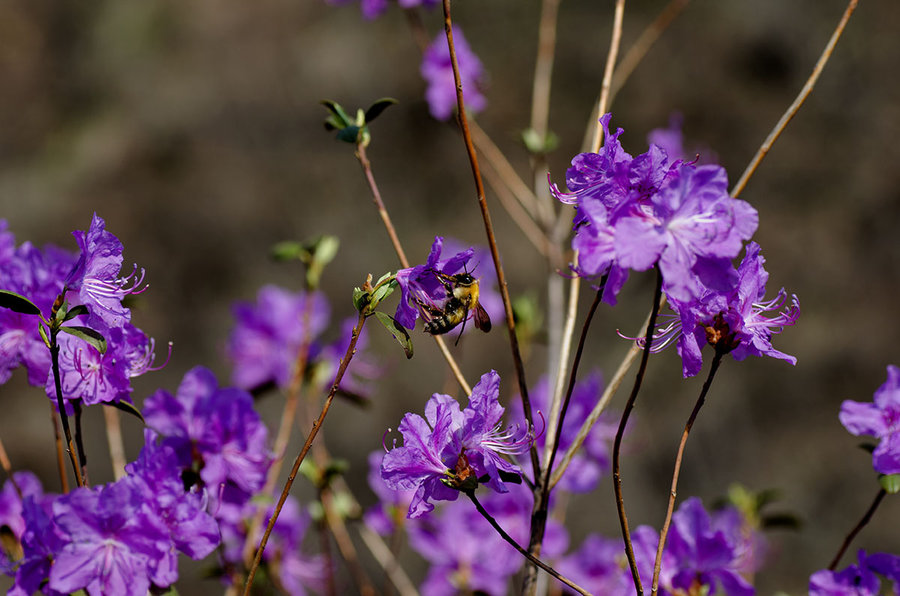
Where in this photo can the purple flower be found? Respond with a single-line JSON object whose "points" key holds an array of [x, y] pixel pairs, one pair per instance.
{"points": [[880, 419], [95, 280], [735, 321], [268, 335], [857, 580], [466, 554], [635, 213], [293, 570], [215, 428], [593, 460], [437, 70], [372, 9], [422, 286], [392, 504], [11, 500], [454, 446], [113, 543], [41, 542]]}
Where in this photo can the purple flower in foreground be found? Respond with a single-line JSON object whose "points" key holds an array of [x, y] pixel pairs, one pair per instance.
{"points": [[734, 322], [437, 70], [95, 280], [113, 545], [881, 419], [859, 579], [41, 542], [453, 445], [422, 286], [11, 501]]}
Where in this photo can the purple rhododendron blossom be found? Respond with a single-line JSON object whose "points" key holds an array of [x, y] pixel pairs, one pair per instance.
{"points": [[858, 579], [437, 70], [421, 286], [881, 419], [217, 427], [734, 321], [41, 542], [592, 461], [466, 554], [11, 502], [268, 335], [636, 213], [95, 280], [113, 545], [454, 445], [392, 505]]}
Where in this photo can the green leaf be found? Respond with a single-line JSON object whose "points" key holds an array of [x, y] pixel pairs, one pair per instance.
{"points": [[397, 330], [348, 134], [361, 299], [75, 311], [340, 117], [378, 107], [128, 408], [87, 334], [890, 483], [383, 291], [18, 303], [288, 251], [43, 331]]}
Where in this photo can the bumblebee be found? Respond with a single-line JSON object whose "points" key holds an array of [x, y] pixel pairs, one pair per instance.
{"points": [[462, 297]]}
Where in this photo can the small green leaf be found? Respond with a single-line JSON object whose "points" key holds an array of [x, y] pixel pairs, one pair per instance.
{"points": [[43, 331], [288, 251], [890, 483], [128, 408], [87, 334], [340, 116], [537, 144], [361, 299], [397, 330], [348, 134], [75, 311], [378, 107], [18, 303], [383, 291]]}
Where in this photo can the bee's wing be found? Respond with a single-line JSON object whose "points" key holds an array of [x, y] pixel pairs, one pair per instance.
{"points": [[482, 320]]}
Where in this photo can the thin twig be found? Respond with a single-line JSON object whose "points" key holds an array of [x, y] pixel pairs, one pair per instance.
{"points": [[7, 467], [617, 445], [339, 375], [70, 446], [387, 561], [670, 507], [114, 440], [795, 106], [344, 543], [60, 457], [601, 404], [866, 518], [495, 158], [489, 231], [603, 103], [522, 551], [79, 441]]}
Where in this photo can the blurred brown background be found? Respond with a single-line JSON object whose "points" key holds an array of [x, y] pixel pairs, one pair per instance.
{"points": [[194, 129]]}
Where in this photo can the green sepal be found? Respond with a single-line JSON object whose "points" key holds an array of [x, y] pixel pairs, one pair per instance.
{"points": [[87, 334], [466, 486], [75, 311], [18, 303], [128, 408], [43, 331], [378, 107], [890, 483], [397, 330]]}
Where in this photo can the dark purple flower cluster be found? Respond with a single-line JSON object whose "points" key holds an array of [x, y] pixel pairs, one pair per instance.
{"points": [[437, 70], [635, 213], [859, 579], [91, 278], [704, 554], [452, 449], [269, 335], [881, 419]]}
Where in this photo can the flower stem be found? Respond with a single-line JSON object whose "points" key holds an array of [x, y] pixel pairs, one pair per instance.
{"points": [[339, 375], [70, 447], [866, 518], [717, 359], [114, 440], [522, 551], [60, 458], [489, 230], [795, 106], [7, 467], [79, 444], [617, 445]]}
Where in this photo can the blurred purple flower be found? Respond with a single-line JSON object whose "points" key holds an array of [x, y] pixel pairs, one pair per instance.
{"points": [[881, 419], [372, 9], [437, 70], [859, 579]]}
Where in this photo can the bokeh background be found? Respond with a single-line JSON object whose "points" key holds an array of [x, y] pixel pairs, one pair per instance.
{"points": [[194, 129]]}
